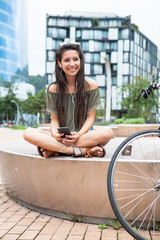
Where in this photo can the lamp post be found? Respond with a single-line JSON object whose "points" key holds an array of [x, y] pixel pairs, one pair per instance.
{"points": [[108, 93], [18, 112]]}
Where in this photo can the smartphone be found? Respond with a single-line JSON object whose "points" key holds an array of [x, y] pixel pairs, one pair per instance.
{"points": [[64, 130]]}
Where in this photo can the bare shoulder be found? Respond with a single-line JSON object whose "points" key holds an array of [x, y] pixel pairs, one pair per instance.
{"points": [[92, 84], [53, 88]]}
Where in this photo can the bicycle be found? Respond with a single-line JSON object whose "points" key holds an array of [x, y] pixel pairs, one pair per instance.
{"points": [[133, 181]]}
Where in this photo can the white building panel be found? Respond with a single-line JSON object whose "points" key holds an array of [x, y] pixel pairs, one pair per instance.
{"points": [[100, 79], [120, 69], [126, 45], [120, 57], [49, 43], [125, 68], [91, 46], [114, 98], [102, 57], [113, 57], [72, 34], [113, 34], [120, 45], [87, 68], [50, 67]]}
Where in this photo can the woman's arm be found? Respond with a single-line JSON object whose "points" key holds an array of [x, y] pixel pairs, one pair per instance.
{"points": [[71, 140], [88, 123], [54, 125]]}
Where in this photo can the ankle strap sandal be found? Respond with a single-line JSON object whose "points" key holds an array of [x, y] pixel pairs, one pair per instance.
{"points": [[85, 152], [81, 152]]}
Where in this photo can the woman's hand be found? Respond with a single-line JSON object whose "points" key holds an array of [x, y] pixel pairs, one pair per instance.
{"points": [[59, 137], [70, 140]]}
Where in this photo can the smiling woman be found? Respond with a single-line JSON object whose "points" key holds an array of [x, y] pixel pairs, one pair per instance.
{"points": [[70, 63], [72, 101]]}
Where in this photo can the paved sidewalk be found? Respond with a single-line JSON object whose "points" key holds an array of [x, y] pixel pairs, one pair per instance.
{"points": [[18, 222]]}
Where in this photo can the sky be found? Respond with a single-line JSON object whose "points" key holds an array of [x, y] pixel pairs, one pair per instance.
{"points": [[144, 13]]}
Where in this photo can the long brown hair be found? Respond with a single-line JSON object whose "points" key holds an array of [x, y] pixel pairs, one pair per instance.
{"points": [[61, 80]]}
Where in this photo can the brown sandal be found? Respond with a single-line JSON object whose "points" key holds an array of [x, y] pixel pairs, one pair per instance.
{"points": [[85, 152], [41, 153]]}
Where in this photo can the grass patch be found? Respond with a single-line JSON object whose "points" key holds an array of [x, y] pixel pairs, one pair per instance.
{"points": [[102, 226], [116, 224], [18, 127]]}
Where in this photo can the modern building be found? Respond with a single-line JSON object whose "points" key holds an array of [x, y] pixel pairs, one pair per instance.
{"points": [[13, 41], [103, 36]]}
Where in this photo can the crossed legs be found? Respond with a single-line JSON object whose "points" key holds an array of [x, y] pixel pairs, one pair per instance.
{"points": [[48, 144]]}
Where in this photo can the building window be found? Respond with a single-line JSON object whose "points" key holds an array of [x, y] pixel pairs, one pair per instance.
{"points": [[114, 67], [102, 92], [87, 34], [125, 57], [98, 34], [78, 34], [114, 46], [87, 57], [98, 46], [100, 79], [114, 81], [113, 23], [124, 33], [103, 23], [96, 57], [52, 21], [98, 69], [50, 56], [85, 46], [62, 33], [125, 80], [52, 32], [55, 43], [50, 78]]}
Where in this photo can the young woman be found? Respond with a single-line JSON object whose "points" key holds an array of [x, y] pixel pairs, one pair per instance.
{"points": [[72, 101]]}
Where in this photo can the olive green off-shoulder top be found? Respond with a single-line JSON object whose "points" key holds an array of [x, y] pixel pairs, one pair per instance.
{"points": [[92, 100]]}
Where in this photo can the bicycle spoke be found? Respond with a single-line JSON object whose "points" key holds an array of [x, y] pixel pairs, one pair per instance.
{"points": [[134, 183], [141, 195], [144, 211]]}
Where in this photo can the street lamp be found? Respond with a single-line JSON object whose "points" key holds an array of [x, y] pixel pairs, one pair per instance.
{"points": [[18, 113], [108, 105]]}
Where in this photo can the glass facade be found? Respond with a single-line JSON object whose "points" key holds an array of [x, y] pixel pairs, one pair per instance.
{"points": [[129, 52], [13, 41]]}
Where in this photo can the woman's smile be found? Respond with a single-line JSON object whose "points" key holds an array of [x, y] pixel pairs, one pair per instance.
{"points": [[70, 62]]}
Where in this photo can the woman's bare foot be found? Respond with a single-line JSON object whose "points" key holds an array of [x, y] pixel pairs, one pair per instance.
{"points": [[97, 151], [47, 153]]}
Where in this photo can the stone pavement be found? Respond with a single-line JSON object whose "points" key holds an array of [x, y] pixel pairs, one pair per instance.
{"points": [[18, 222]]}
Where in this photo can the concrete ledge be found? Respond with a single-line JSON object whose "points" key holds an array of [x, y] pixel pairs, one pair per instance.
{"points": [[125, 130], [66, 187], [63, 186]]}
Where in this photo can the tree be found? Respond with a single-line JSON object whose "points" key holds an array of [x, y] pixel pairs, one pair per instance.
{"points": [[38, 81], [7, 108], [141, 108], [35, 104]]}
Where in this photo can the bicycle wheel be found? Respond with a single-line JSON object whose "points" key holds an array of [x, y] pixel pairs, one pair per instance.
{"points": [[134, 184]]}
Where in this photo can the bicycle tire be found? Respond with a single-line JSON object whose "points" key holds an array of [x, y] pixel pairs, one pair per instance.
{"points": [[133, 184]]}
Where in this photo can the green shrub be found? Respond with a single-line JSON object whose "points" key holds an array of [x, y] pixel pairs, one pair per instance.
{"points": [[130, 121], [19, 127]]}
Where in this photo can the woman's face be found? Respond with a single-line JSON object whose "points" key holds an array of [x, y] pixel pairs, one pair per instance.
{"points": [[70, 63]]}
